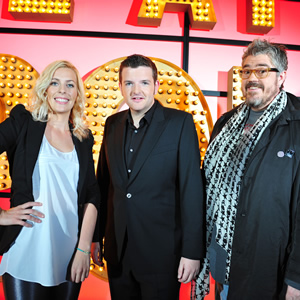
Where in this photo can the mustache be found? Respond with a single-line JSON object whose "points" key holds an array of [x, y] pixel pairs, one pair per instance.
{"points": [[254, 84]]}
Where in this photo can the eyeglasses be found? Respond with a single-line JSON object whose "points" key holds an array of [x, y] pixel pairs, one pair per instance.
{"points": [[259, 72]]}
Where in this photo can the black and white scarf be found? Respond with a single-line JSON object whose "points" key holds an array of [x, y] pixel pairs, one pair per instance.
{"points": [[225, 161]]}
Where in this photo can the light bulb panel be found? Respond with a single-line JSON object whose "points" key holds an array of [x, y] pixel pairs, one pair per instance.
{"points": [[234, 87], [39, 10], [260, 16], [201, 12]]}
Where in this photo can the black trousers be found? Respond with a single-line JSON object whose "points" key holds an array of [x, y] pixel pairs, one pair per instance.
{"points": [[16, 289], [125, 284]]}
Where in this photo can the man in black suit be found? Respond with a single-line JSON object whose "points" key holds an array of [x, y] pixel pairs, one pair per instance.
{"points": [[152, 202]]}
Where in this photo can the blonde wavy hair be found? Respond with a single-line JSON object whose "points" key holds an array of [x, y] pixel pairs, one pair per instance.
{"points": [[40, 107]]}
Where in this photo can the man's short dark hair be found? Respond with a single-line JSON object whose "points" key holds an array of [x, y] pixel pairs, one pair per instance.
{"points": [[135, 61]]}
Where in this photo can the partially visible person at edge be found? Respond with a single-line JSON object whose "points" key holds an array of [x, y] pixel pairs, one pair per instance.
{"points": [[152, 203], [253, 186], [46, 235]]}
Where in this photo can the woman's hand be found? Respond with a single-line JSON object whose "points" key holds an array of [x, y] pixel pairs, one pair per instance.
{"points": [[20, 214], [80, 267]]}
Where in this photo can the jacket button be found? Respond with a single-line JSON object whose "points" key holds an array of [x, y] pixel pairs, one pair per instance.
{"points": [[128, 195]]}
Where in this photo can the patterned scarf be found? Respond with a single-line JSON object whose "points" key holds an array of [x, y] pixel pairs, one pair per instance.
{"points": [[224, 165]]}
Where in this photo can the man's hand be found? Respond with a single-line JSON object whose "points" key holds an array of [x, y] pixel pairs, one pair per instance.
{"points": [[96, 252], [21, 214], [292, 293], [188, 269]]}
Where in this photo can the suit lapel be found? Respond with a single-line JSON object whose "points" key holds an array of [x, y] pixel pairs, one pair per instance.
{"points": [[116, 146], [151, 137]]}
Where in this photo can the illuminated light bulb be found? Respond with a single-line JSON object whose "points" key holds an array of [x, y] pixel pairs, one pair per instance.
{"points": [[4, 59], [187, 83], [203, 130], [202, 158], [10, 85], [94, 133], [147, 15], [18, 95], [67, 5], [19, 85], [29, 77], [177, 101], [104, 105], [86, 104], [148, 9], [14, 3], [170, 73], [115, 87], [161, 72], [105, 96], [187, 110], [95, 114], [107, 68], [3, 76], [186, 102], [88, 86], [29, 69], [2, 185], [27, 86], [194, 112], [169, 100], [155, 9], [203, 112], [148, 2], [114, 106], [106, 78], [269, 23], [203, 122], [59, 5], [3, 167], [196, 102], [13, 68], [104, 114], [97, 77], [105, 87], [3, 68], [26, 95], [116, 78], [85, 113], [178, 92], [160, 91], [179, 83], [94, 123], [95, 96], [114, 97], [3, 176], [88, 95], [96, 87], [202, 149], [2, 85], [203, 140], [255, 22], [207, 5], [9, 94], [170, 82], [156, 15], [254, 2], [170, 91], [1, 94], [187, 92], [179, 74], [116, 69], [262, 23], [27, 9], [7, 112], [20, 10], [9, 103]]}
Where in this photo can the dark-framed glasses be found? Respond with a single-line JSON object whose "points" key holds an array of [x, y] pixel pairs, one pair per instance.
{"points": [[258, 72]]}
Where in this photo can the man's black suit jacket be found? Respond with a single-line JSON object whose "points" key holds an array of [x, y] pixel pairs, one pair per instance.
{"points": [[161, 205]]}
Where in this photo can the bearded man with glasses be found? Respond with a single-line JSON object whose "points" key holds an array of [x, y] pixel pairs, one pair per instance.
{"points": [[252, 170]]}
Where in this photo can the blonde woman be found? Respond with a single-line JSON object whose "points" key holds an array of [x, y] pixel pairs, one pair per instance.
{"points": [[46, 235]]}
